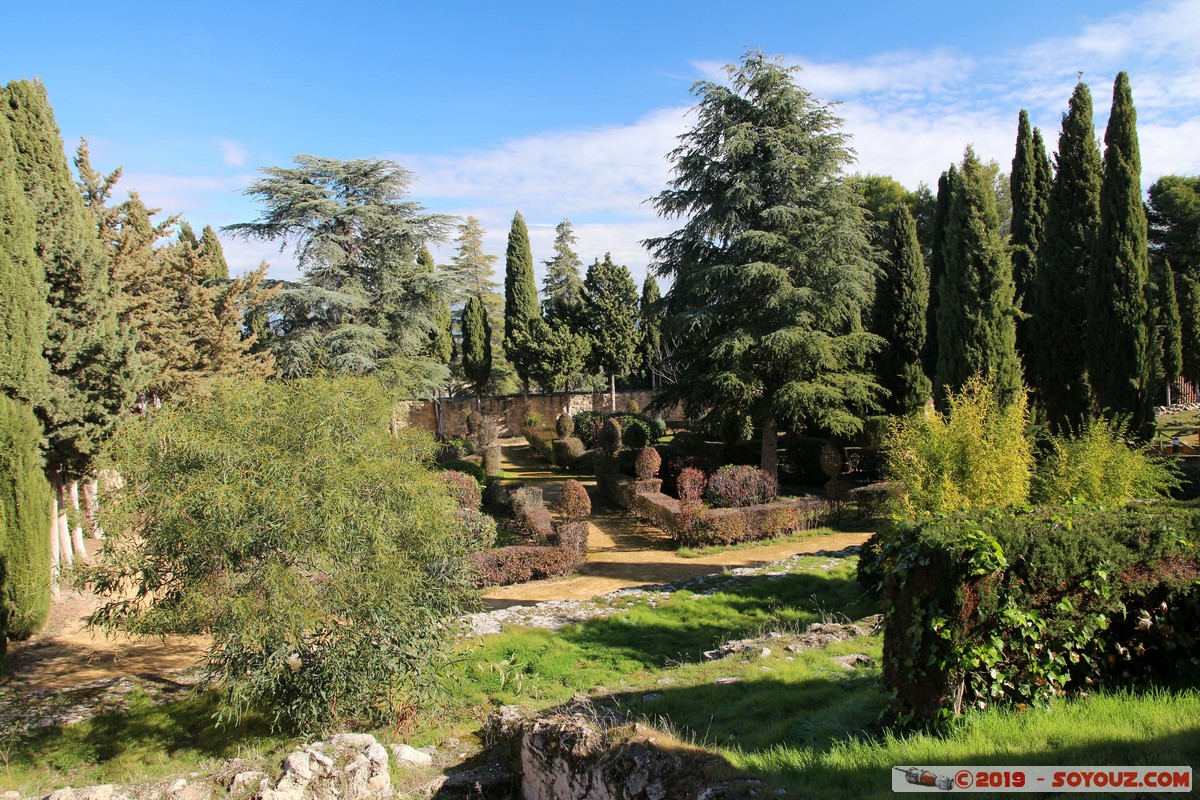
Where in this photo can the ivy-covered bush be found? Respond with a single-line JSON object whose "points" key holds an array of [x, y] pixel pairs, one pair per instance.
{"points": [[648, 463], [691, 484], [741, 486], [463, 488], [574, 502], [564, 426], [1020, 607], [587, 427]]}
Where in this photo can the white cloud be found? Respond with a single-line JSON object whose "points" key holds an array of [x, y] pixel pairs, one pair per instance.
{"points": [[233, 154]]}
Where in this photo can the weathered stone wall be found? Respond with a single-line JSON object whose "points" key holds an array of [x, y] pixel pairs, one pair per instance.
{"points": [[448, 415]]}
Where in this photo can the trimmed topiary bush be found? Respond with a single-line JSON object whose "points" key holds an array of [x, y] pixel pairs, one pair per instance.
{"points": [[526, 497], [568, 451], [573, 536], [741, 486], [587, 427], [574, 502], [691, 484], [508, 565], [636, 433], [610, 437], [468, 467], [491, 460], [632, 407], [488, 433], [648, 463], [464, 488], [564, 426]]}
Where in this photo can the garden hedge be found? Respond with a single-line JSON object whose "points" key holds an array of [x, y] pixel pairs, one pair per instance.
{"points": [[1019, 607]]}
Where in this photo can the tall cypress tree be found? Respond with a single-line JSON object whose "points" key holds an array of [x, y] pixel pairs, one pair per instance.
{"points": [[1170, 328], [476, 344], [24, 491], [1059, 309], [441, 331], [92, 361], [901, 305], [213, 254], [650, 320], [1119, 314], [1189, 322], [521, 305], [1029, 196], [976, 330], [937, 240]]}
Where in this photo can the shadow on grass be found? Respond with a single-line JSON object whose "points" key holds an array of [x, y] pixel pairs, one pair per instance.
{"points": [[680, 629]]}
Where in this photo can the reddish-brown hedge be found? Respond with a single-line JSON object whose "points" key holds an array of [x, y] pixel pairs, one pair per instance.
{"points": [[648, 463], [738, 486], [574, 502], [507, 565], [691, 484], [463, 488]]}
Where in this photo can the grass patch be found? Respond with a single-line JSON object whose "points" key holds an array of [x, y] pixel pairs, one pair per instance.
{"points": [[800, 536], [145, 743]]}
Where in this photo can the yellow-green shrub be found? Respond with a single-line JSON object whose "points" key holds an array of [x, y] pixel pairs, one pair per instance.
{"points": [[1099, 466], [975, 456]]}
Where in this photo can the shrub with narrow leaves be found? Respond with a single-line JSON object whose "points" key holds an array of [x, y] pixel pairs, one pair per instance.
{"points": [[648, 463], [574, 502], [564, 426], [479, 529], [464, 488], [741, 486], [610, 437], [691, 484]]}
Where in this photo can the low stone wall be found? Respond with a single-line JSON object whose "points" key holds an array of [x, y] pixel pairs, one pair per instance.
{"points": [[448, 415]]}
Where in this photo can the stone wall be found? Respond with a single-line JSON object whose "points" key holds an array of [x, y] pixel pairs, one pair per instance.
{"points": [[447, 415]]}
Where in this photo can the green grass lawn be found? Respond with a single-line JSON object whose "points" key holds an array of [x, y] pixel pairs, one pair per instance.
{"points": [[800, 721]]}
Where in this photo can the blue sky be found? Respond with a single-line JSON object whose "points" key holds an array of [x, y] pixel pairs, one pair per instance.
{"points": [[569, 109]]}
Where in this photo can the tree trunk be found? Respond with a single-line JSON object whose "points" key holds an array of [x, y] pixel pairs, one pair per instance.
{"points": [[77, 530], [55, 546], [91, 508], [612, 388], [770, 448]]}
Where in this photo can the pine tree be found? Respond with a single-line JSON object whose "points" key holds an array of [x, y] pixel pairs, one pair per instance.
{"points": [[650, 322], [1029, 197], [562, 288], [1059, 310], [1170, 328], [92, 361], [473, 269], [901, 302], [1173, 215], [476, 344], [773, 264], [520, 300], [976, 330], [1119, 315], [213, 254], [1189, 320], [611, 300], [937, 241]]}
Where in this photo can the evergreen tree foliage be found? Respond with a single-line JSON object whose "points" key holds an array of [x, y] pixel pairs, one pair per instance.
{"points": [[1059, 310], [556, 353], [1170, 326], [976, 312], [213, 254], [650, 322], [1030, 194], [521, 305], [1173, 216], [937, 241], [23, 308], [562, 288], [441, 332], [476, 344], [366, 305], [773, 264], [1189, 319], [611, 299], [900, 307], [1119, 315], [24, 510], [473, 269], [93, 366]]}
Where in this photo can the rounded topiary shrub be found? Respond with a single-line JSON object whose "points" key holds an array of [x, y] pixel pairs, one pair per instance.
{"points": [[467, 467], [610, 437], [491, 460], [741, 486], [636, 434], [464, 488], [573, 536], [564, 426], [632, 407], [648, 463], [474, 420], [574, 502], [691, 484], [568, 451]]}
